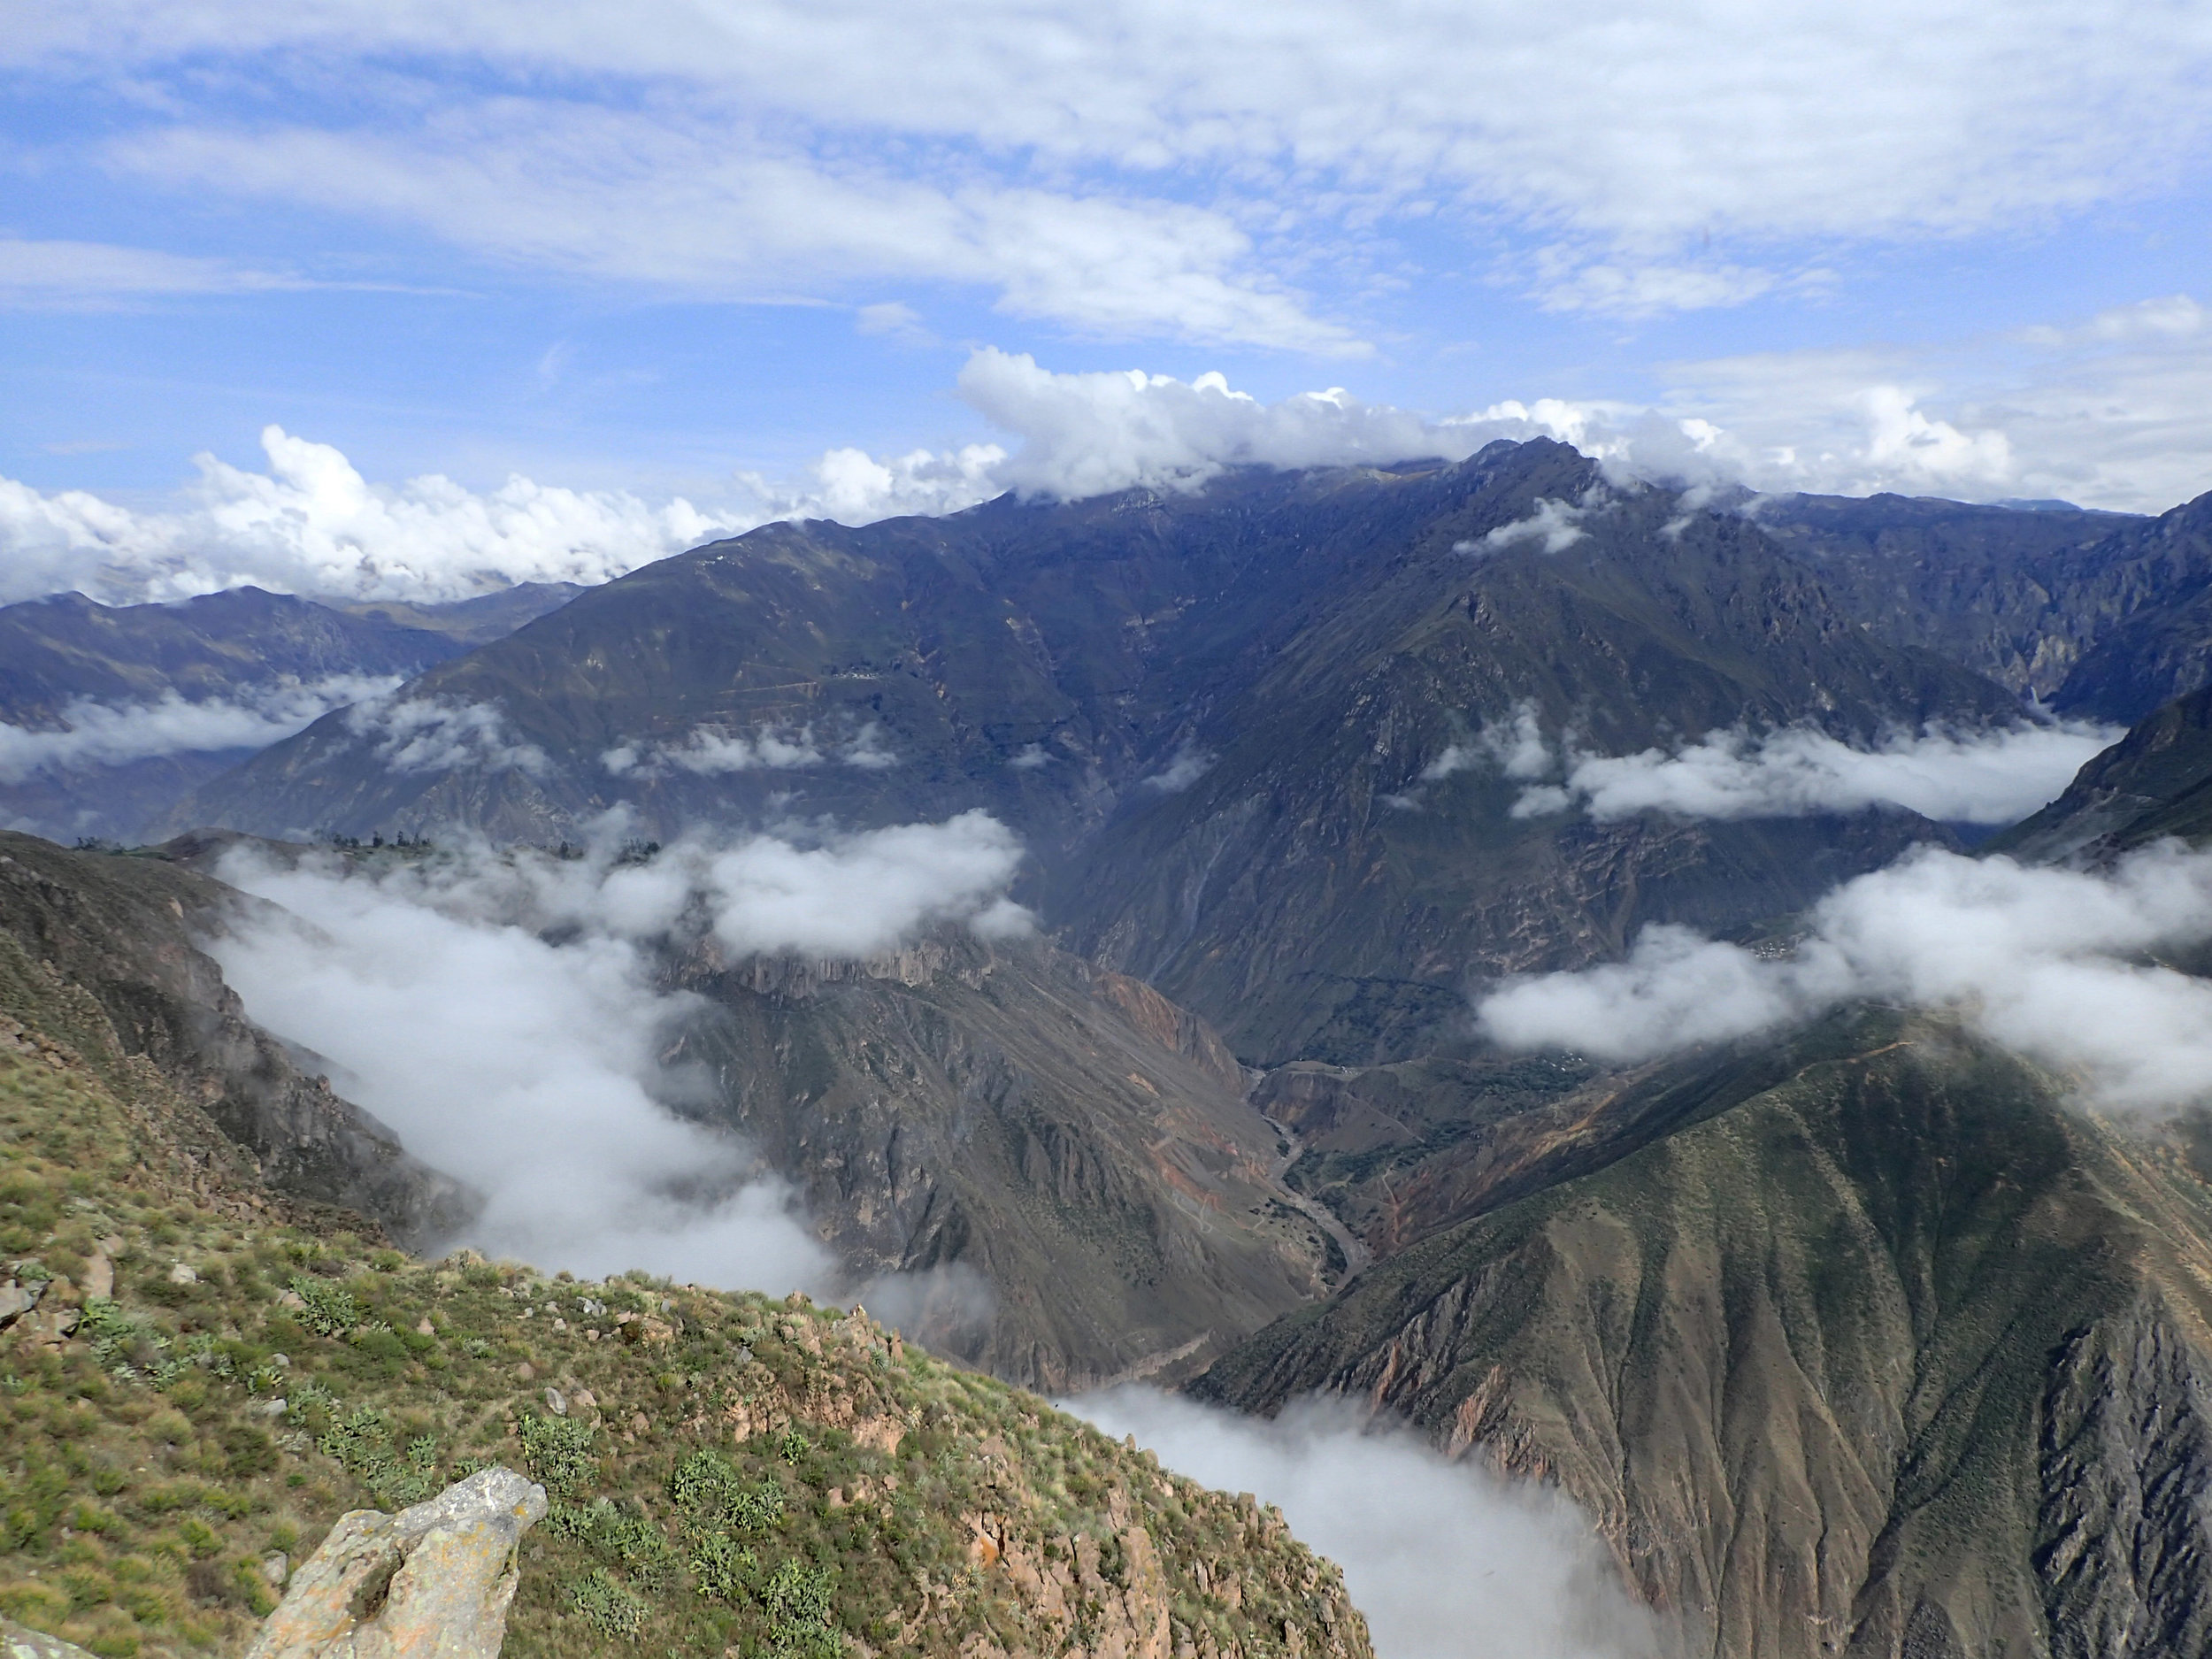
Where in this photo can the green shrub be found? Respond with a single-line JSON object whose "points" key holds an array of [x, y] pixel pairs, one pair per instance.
{"points": [[609, 1609], [330, 1311], [557, 1450]]}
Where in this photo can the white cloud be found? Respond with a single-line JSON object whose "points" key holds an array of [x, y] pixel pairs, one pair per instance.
{"points": [[531, 1070], [1442, 1559], [442, 735], [528, 1069], [93, 734], [70, 275], [1031, 756], [858, 895], [1515, 746], [703, 206], [312, 523], [2052, 964], [1995, 777], [1554, 525], [1188, 765], [1625, 144]]}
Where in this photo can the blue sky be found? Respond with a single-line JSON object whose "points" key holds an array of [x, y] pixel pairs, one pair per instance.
{"points": [[680, 248]]}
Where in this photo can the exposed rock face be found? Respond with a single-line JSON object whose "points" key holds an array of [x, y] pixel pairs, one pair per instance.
{"points": [[121, 929], [433, 1580], [1891, 1355], [1074, 1140]]}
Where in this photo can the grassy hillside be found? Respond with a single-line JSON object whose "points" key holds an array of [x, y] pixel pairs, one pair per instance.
{"points": [[214, 1372]]}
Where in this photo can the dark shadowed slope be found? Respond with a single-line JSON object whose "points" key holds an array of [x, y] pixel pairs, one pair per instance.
{"points": [[2156, 781], [1893, 1356]]}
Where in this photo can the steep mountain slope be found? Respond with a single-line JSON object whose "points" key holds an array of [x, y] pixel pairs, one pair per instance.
{"points": [[116, 934], [198, 1378], [1889, 1354], [1180, 700], [244, 646], [1993, 588], [2104, 616], [1071, 1137], [2154, 782], [1313, 896], [1061, 1158]]}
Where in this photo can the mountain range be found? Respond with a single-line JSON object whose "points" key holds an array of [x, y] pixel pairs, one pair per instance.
{"points": [[1857, 1335]]}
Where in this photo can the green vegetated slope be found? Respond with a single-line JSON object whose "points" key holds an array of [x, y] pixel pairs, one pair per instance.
{"points": [[211, 1372], [1891, 1353], [1306, 644]]}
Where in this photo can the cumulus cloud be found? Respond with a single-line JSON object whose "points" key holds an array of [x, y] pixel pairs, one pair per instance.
{"points": [[93, 734], [443, 734], [1993, 777], [530, 1069], [312, 523], [2055, 965], [1440, 1557], [1513, 746]]}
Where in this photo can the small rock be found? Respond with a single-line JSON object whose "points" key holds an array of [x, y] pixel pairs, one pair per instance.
{"points": [[276, 1567], [638, 1424], [524, 1371], [270, 1409], [290, 1299], [591, 1335], [282, 1362], [19, 1641], [99, 1273], [16, 1300], [423, 1327], [583, 1400], [560, 1325], [556, 1402], [178, 1275]]}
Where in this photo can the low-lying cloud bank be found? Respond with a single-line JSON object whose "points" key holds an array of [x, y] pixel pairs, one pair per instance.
{"points": [[1444, 1559], [532, 1069], [1989, 777], [2059, 965], [312, 523], [1996, 777], [93, 734]]}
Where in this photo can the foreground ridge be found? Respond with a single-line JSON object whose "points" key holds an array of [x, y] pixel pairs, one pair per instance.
{"points": [[198, 1378]]}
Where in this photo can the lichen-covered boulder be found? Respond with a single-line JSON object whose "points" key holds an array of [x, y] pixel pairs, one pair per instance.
{"points": [[432, 1582], [18, 1641]]}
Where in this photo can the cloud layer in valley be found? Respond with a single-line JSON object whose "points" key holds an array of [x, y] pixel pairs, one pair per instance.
{"points": [[1993, 777], [93, 734], [532, 1070], [2059, 965], [1431, 1551]]}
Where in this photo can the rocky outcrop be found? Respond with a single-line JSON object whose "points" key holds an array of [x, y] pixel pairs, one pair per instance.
{"points": [[432, 1582]]}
